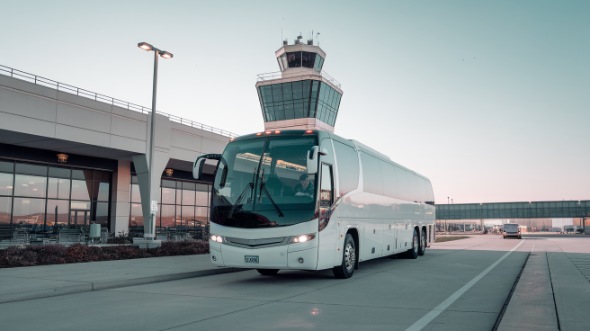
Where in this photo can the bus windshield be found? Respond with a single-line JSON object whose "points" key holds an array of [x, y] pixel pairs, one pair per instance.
{"points": [[263, 182]]}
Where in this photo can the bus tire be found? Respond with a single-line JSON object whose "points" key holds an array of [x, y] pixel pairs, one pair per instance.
{"points": [[346, 269], [412, 253], [268, 272], [423, 242]]}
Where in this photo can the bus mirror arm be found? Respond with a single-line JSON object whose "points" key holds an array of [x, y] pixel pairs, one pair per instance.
{"points": [[312, 158], [200, 163]]}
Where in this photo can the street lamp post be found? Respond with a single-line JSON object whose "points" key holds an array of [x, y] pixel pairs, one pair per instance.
{"points": [[166, 55]]}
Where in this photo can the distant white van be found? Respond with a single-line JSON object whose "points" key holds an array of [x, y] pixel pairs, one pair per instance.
{"points": [[511, 230]]}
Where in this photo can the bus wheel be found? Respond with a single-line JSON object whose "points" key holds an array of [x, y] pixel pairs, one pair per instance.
{"points": [[346, 269], [422, 249], [267, 272], [412, 253]]}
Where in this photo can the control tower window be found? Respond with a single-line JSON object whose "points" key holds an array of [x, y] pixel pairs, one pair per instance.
{"points": [[307, 59], [319, 62], [300, 59], [294, 59]]}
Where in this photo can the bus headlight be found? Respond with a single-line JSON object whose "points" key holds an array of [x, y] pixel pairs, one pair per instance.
{"points": [[216, 238], [302, 238]]}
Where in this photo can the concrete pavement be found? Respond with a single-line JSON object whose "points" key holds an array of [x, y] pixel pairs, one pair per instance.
{"points": [[34, 282], [553, 291]]}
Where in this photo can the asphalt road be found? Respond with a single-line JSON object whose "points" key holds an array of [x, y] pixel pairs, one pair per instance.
{"points": [[457, 285]]}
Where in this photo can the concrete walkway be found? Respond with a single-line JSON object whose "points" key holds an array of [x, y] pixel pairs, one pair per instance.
{"points": [[553, 293], [50, 280]]}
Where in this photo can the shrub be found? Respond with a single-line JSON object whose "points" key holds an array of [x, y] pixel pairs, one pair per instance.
{"points": [[17, 256], [49, 254]]}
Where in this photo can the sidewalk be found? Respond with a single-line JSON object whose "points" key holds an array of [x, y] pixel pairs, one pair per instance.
{"points": [[51, 280], [552, 294]]}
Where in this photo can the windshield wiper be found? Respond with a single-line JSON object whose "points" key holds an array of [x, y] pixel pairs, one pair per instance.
{"points": [[263, 189], [239, 199]]}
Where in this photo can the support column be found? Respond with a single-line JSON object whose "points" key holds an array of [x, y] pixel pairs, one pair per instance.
{"points": [[121, 195]]}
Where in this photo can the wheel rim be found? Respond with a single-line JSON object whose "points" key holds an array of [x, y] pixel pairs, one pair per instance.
{"points": [[423, 241], [349, 256], [415, 242]]}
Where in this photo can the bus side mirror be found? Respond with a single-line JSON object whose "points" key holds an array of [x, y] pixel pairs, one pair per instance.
{"points": [[200, 163], [312, 159]]}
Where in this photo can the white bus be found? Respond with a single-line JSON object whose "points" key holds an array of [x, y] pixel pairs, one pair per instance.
{"points": [[358, 204]]}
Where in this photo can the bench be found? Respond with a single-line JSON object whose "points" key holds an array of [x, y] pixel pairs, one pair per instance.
{"points": [[20, 235], [70, 235]]}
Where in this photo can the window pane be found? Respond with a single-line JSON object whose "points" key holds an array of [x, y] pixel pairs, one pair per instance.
{"points": [[136, 217], [82, 174], [81, 189], [58, 188], [188, 197], [169, 183], [6, 183], [135, 196], [103, 191], [188, 216], [5, 209], [58, 210], [168, 195], [202, 215], [31, 169], [6, 166], [202, 198], [102, 214], [30, 186], [28, 211], [167, 220], [59, 172]]}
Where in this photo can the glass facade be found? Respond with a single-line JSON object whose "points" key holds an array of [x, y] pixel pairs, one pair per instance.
{"points": [[301, 99], [184, 206], [45, 198]]}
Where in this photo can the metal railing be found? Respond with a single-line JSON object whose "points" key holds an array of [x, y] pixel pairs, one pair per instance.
{"points": [[278, 74], [42, 81]]}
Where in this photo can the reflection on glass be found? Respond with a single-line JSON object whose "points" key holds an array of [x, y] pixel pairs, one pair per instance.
{"points": [[81, 189], [168, 195], [28, 211], [136, 217], [188, 216], [167, 219], [58, 211], [30, 186], [188, 197], [5, 209], [103, 191], [201, 215], [6, 183], [135, 195], [202, 198], [102, 214], [58, 188]]}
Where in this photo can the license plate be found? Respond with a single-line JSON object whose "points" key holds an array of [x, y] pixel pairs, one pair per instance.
{"points": [[251, 259]]}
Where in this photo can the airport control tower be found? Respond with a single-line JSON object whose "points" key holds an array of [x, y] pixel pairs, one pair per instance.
{"points": [[300, 96]]}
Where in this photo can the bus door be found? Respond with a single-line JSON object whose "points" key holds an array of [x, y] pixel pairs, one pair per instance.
{"points": [[326, 195]]}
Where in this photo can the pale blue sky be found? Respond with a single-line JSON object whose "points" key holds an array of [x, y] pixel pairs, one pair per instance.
{"points": [[489, 99]]}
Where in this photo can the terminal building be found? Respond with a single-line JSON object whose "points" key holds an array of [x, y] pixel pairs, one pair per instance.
{"points": [[70, 158]]}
